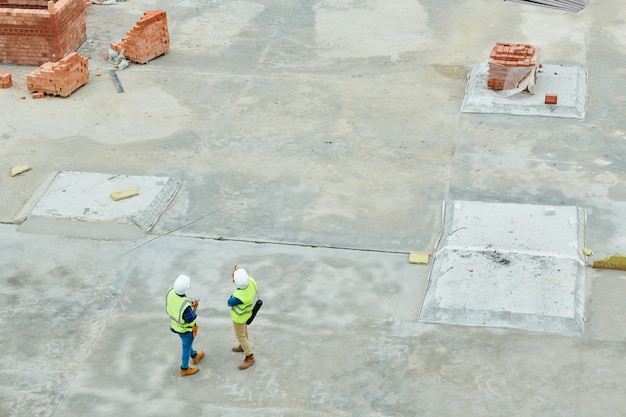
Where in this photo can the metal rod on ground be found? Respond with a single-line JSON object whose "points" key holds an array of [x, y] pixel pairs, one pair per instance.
{"points": [[116, 81]]}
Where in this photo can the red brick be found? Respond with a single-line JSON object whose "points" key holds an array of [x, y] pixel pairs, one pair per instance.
{"points": [[60, 78], [147, 40], [5, 80], [41, 33], [551, 99], [506, 57]]}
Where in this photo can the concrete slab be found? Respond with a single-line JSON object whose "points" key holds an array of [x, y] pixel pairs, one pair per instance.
{"points": [[333, 130], [509, 265], [83, 204], [569, 82]]}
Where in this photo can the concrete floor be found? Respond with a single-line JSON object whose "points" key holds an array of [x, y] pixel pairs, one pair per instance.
{"points": [[323, 137]]}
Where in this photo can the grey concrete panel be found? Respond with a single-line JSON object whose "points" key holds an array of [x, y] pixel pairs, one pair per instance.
{"points": [[569, 83], [81, 204], [509, 265]]}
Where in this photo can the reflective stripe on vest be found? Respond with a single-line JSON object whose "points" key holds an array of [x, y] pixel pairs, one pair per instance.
{"points": [[240, 313], [175, 306]]}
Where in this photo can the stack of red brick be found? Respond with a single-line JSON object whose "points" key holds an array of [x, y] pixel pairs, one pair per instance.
{"points": [[149, 38], [510, 64], [60, 78], [5, 80], [33, 32]]}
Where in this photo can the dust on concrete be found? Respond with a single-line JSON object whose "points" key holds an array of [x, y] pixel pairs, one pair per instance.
{"points": [[332, 138]]}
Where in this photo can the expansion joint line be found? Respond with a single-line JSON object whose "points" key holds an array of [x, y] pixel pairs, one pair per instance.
{"points": [[303, 245]]}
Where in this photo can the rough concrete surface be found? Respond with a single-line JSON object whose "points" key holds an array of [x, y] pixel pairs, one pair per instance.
{"points": [[323, 137], [509, 265]]}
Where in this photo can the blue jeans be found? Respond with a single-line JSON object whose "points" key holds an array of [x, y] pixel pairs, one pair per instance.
{"points": [[187, 340]]}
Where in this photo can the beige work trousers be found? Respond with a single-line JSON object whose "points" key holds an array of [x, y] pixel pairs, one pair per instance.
{"points": [[241, 332]]}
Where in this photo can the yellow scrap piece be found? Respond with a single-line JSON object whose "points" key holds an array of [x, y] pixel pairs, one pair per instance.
{"points": [[419, 258], [587, 252], [616, 261], [127, 193], [17, 170]]}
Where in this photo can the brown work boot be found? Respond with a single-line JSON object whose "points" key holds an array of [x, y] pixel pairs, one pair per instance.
{"points": [[188, 371], [237, 348], [248, 362], [199, 355]]}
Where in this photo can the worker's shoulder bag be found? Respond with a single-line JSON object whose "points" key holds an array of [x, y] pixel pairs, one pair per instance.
{"points": [[255, 309]]}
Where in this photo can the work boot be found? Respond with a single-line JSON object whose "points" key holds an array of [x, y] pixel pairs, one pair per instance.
{"points": [[199, 355], [188, 371], [237, 348], [248, 362]]}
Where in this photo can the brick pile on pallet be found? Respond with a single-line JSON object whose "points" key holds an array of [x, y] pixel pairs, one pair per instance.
{"points": [[149, 38], [510, 64], [5, 80], [60, 78]]}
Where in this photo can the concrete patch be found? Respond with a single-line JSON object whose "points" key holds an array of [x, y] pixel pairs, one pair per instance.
{"points": [[375, 28], [80, 204], [509, 265], [569, 82]]}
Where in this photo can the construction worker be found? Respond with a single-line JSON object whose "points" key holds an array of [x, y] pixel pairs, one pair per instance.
{"points": [[182, 312], [240, 303]]}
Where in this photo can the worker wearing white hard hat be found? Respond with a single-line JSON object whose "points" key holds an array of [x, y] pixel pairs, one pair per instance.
{"points": [[240, 303], [182, 313]]}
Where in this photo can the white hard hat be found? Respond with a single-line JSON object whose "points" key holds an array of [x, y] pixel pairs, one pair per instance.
{"points": [[241, 278], [181, 285]]}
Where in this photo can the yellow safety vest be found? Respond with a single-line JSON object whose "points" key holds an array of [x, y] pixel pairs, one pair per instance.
{"points": [[242, 312], [175, 306]]}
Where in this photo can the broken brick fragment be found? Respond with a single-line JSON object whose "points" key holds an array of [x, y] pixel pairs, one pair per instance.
{"points": [[551, 99]]}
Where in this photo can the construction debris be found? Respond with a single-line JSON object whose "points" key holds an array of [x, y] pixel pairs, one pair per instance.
{"points": [[122, 194], [118, 59], [420, 258], [17, 170], [616, 261], [551, 99]]}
